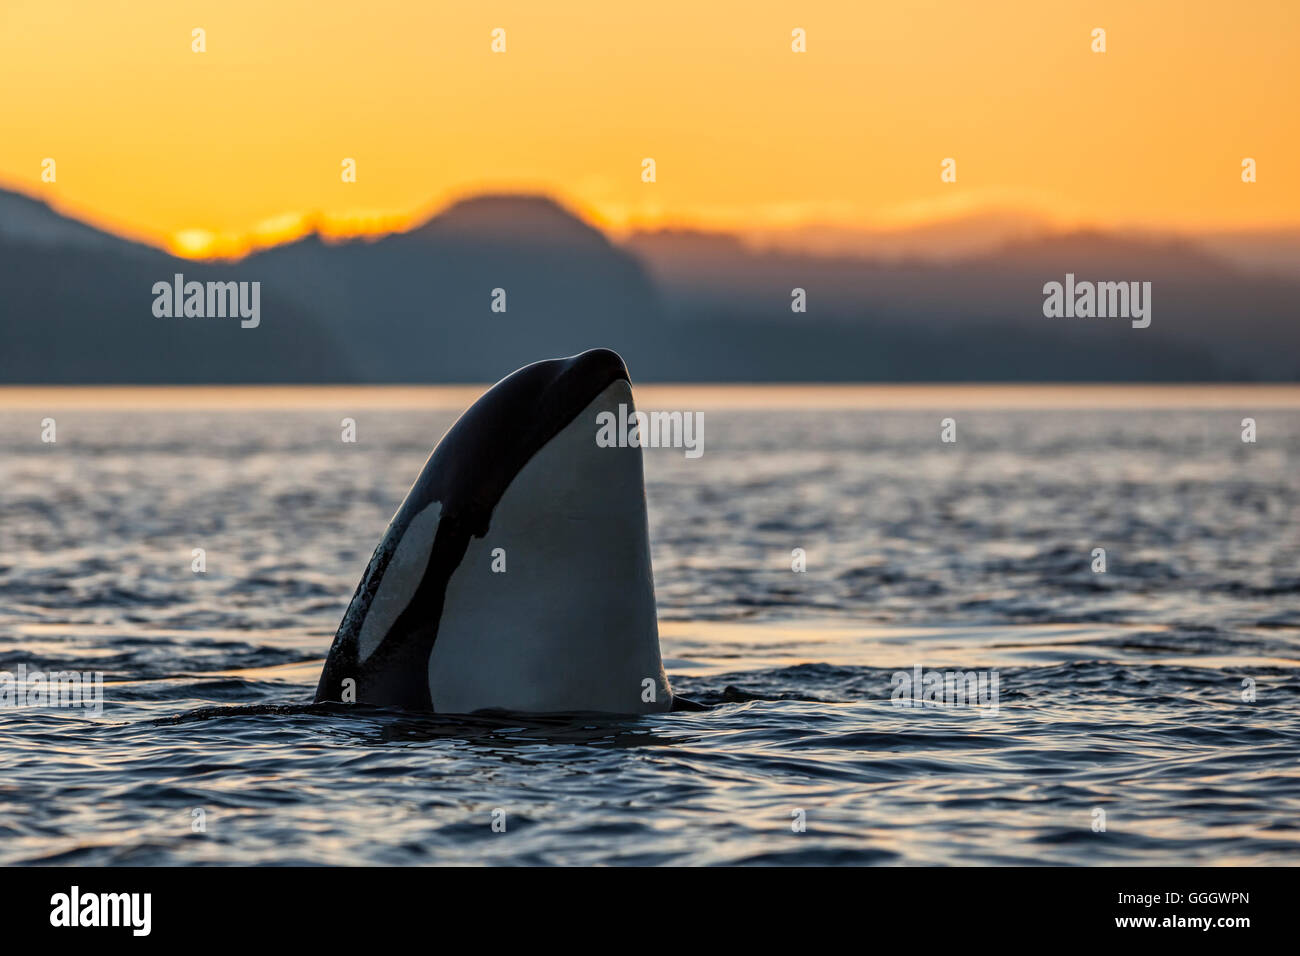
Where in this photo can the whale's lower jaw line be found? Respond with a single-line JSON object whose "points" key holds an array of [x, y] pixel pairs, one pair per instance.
{"points": [[516, 573]]}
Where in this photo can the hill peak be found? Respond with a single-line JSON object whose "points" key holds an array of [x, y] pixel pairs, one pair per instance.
{"points": [[511, 216]]}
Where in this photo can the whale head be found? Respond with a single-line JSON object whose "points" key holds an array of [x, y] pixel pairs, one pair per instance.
{"points": [[516, 573]]}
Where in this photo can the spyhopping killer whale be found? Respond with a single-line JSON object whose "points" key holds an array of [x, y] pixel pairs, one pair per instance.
{"points": [[516, 573]]}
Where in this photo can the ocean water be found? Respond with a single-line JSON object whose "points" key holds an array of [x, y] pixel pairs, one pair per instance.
{"points": [[1149, 714]]}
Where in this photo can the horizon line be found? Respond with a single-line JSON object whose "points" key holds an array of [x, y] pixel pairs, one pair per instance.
{"points": [[339, 227], [898, 396]]}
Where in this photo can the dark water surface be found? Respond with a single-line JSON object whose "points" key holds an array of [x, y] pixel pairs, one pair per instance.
{"points": [[1119, 693]]}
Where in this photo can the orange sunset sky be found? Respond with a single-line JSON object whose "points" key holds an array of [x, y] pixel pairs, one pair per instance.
{"points": [[203, 151]]}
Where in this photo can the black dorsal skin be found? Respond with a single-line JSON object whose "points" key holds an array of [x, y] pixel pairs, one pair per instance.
{"points": [[467, 473]]}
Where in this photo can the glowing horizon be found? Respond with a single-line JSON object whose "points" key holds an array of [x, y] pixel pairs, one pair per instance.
{"points": [[240, 146]]}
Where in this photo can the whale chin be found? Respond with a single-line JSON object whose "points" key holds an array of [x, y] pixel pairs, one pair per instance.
{"points": [[516, 573]]}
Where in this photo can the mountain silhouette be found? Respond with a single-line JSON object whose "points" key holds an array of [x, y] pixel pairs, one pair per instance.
{"points": [[981, 318], [76, 307], [419, 306], [497, 281]]}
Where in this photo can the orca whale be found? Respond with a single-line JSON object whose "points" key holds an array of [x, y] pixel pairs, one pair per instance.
{"points": [[516, 573]]}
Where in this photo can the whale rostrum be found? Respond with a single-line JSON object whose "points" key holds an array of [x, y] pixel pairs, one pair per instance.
{"points": [[516, 573]]}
